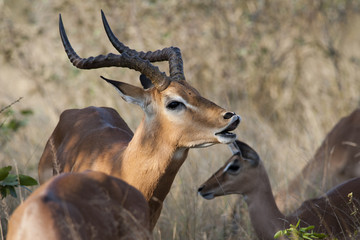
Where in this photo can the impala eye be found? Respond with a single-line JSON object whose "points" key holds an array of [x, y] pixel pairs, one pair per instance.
{"points": [[233, 167], [174, 105]]}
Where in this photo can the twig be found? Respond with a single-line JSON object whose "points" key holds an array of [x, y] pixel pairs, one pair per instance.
{"points": [[8, 106]]}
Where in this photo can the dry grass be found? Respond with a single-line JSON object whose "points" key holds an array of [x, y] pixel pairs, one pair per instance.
{"points": [[289, 68]]}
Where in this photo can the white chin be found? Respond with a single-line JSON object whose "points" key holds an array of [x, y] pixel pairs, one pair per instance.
{"points": [[203, 145], [226, 138], [221, 138]]}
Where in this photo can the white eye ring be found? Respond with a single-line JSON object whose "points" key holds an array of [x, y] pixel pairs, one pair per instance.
{"points": [[227, 167], [232, 168]]}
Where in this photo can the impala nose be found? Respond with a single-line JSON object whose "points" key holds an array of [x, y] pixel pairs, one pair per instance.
{"points": [[228, 115], [200, 188]]}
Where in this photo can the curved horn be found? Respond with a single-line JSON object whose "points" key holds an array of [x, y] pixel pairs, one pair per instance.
{"points": [[171, 54], [158, 78]]}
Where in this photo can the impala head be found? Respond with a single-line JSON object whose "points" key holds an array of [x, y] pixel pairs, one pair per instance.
{"points": [[170, 104], [235, 176]]}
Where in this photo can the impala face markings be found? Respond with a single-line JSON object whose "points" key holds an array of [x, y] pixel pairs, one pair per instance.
{"points": [[184, 107]]}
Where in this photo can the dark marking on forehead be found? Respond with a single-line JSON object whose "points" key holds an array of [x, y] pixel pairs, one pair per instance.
{"points": [[187, 90], [190, 89]]}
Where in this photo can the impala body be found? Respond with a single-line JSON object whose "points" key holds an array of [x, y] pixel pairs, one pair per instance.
{"points": [[176, 118], [87, 205], [336, 213], [336, 160]]}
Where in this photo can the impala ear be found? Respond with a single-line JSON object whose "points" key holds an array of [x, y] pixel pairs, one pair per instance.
{"points": [[145, 82], [129, 93], [248, 153]]}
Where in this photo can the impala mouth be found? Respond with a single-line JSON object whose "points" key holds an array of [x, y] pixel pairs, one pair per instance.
{"points": [[225, 136], [207, 196]]}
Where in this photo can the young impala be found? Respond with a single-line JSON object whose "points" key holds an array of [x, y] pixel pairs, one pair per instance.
{"points": [[86, 205], [176, 118], [336, 213]]}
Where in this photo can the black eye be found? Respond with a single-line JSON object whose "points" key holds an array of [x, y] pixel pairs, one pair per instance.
{"points": [[233, 167], [174, 105]]}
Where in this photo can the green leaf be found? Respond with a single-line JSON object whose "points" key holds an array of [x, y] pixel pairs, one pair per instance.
{"points": [[9, 112], [4, 172], [27, 180], [15, 124], [320, 235], [27, 112], [10, 180], [278, 234], [12, 191], [2, 192], [307, 228], [302, 233]]}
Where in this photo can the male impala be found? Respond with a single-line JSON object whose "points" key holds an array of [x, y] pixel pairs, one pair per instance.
{"points": [[176, 118], [336, 213], [336, 160], [87, 205]]}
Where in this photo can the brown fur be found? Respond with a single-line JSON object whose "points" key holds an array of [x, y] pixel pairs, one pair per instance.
{"points": [[176, 118], [98, 139], [334, 213], [336, 160], [87, 205]]}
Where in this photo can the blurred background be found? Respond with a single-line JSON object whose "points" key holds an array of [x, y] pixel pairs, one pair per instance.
{"points": [[289, 68]]}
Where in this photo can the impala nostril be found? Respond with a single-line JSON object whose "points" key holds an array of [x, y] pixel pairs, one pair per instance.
{"points": [[200, 188], [228, 115]]}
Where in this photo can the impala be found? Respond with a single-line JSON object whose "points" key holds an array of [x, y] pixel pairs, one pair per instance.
{"points": [[336, 160], [336, 213], [86, 205], [176, 118]]}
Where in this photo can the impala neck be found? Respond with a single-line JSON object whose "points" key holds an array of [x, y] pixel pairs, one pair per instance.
{"points": [[264, 213], [151, 161]]}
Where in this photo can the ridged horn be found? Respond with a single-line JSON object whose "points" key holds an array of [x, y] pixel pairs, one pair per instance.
{"points": [[132, 61]]}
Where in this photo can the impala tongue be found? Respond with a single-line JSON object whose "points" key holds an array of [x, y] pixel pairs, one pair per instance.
{"points": [[225, 133], [231, 127]]}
